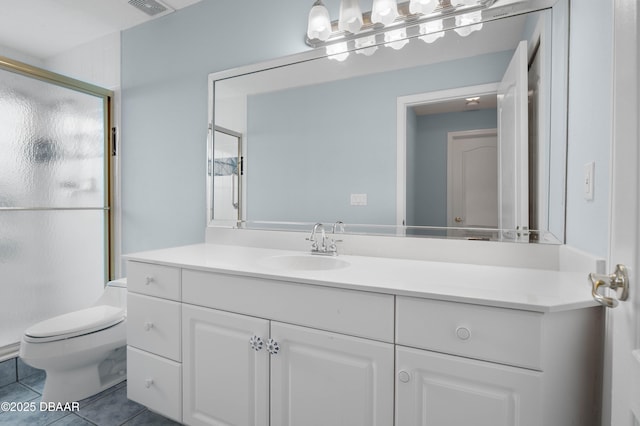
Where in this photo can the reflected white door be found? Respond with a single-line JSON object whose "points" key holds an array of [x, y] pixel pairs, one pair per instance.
{"points": [[513, 139], [624, 320], [472, 181]]}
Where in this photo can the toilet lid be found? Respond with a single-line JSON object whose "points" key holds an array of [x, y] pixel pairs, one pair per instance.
{"points": [[77, 323]]}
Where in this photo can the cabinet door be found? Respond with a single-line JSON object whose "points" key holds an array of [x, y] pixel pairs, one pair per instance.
{"points": [[320, 378], [226, 381], [434, 389]]}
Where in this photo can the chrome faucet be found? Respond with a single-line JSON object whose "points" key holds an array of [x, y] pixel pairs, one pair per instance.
{"points": [[326, 246]]}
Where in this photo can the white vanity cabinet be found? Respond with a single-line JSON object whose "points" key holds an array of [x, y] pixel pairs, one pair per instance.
{"points": [[243, 370], [462, 364], [154, 368], [240, 370], [211, 345]]}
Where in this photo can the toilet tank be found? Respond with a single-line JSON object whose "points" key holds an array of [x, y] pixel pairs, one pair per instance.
{"points": [[115, 294]]}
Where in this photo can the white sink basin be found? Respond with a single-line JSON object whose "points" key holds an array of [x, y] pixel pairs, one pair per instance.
{"points": [[304, 262]]}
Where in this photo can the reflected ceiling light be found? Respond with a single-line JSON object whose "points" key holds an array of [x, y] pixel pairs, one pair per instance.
{"points": [[422, 6], [350, 16], [319, 26], [338, 52], [473, 101], [396, 39], [366, 45], [431, 31], [468, 23]]}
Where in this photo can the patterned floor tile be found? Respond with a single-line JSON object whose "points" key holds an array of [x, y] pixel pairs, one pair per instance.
{"points": [[16, 392], [112, 409], [35, 381], [148, 418], [7, 372]]}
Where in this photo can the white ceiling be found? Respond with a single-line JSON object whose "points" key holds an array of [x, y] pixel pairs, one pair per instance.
{"points": [[45, 28]]}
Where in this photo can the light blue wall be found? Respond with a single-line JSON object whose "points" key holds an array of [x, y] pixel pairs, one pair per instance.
{"points": [[165, 64], [318, 144], [430, 160], [590, 126]]}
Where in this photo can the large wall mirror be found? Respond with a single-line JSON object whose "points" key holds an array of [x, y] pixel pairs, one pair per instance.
{"points": [[460, 136]]}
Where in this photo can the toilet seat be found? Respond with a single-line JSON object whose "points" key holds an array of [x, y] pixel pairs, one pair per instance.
{"points": [[75, 324]]}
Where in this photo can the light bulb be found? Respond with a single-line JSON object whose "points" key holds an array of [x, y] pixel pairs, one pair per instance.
{"points": [[422, 6], [431, 31], [319, 26], [384, 11], [366, 45], [350, 16], [338, 51], [396, 39]]}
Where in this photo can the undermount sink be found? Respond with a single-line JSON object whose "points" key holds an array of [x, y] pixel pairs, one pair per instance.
{"points": [[302, 262]]}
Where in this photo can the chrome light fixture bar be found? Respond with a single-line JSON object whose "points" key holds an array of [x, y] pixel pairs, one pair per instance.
{"points": [[404, 20]]}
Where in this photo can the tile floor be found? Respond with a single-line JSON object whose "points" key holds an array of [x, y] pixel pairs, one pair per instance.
{"points": [[21, 383]]}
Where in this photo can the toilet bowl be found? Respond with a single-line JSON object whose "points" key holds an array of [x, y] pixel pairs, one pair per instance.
{"points": [[82, 352]]}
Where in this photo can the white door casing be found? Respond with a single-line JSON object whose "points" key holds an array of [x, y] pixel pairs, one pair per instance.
{"points": [[623, 322], [472, 179], [405, 102], [513, 139]]}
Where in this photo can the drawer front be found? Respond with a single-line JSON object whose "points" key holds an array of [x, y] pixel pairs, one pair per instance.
{"points": [[153, 325], [154, 280], [155, 382], [352, 312], [506, 336]]}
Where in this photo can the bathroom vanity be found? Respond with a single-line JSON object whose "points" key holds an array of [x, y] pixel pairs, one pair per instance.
{"points": [[235, 335]]}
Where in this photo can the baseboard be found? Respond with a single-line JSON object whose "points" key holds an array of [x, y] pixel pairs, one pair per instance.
{"points": [[9, 351]]}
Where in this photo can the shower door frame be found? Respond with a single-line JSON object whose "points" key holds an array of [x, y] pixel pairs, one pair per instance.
{"points": [[27, 70]]}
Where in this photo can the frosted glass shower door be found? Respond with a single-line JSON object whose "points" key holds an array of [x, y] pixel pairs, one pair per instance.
{"points": [[53, 201]]}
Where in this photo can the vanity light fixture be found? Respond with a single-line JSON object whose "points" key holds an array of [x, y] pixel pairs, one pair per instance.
{"points": [[390, 24], [422, 6], [384, 11], [350, 16], [319, 26]]}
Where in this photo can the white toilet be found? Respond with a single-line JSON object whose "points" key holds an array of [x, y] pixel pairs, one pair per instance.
{"points": [[82, 352]]}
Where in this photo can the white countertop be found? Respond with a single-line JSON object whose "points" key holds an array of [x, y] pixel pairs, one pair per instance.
{"points": [[507, 287]]}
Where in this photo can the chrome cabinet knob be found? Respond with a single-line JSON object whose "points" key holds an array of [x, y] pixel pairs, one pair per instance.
{"points": [[404, 377], [256, 343], [458, 219], [273, 347], [148, 383], [148, 280], [148, 326]]}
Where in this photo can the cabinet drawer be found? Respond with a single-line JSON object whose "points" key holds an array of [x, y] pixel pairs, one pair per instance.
{"points": [[153, 325], [506, 336], [352, 312], [154, 280], [155, 382]]}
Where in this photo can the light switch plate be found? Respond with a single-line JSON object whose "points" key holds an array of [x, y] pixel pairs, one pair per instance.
{"points": [[358, 199], [589, 172]]}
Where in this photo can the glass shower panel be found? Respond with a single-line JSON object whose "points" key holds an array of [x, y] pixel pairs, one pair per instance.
{"points": [[53, 201], [51, 262], [52, 145]]}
